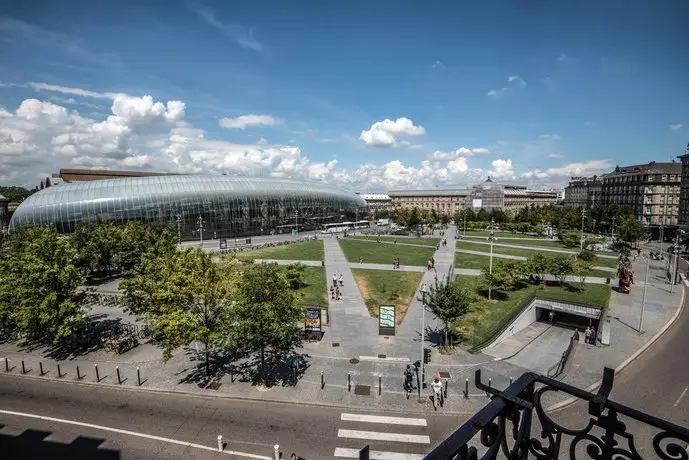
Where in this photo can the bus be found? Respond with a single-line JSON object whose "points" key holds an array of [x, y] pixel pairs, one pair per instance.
{"points": [[288, 228], [338, 227], [363, 224]]}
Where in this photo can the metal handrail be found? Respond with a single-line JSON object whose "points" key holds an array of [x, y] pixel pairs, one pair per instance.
{"points": [[556, 369], [496, 331]]}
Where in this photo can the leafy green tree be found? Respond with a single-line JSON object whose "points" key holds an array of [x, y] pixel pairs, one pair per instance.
{"points": [[570, 238], [266, 314], [295, 275], [581, 269], [16, 194], [38, 286], [561, 267], [506, 274], [138, 238], [630, 229], [540, 264], [97, 244], [184, 296], [448, 299]]}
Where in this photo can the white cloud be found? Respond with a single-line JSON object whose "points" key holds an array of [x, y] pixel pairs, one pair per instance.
{"points": [[550, 137], [562, 57], [502, 169], [513, 81], [262, 141], [585, 168], [460, 152], [555, 155], [242, 36], [676, 127], [386, 133], [245, 121], [72, 91], [458, 165], [438, 65]]}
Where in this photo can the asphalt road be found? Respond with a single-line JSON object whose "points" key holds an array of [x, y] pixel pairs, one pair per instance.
{"points": [[246, 426], [656, 383]]}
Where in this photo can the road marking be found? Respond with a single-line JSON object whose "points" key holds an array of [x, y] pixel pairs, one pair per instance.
{"points": [[384, 419], [377, 436], [389, 358], [681, 396], [376, 455], [132, 433]]}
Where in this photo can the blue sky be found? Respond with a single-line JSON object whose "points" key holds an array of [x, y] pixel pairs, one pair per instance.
{"points": [[527, 91]]}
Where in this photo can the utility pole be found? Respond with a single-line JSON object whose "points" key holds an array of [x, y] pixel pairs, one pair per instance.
{"points": [[424, 289], [676, 253], [200, 223], [296, 223], [662, 216], [612, 230], [643, 301], [465, 224], [581, 241]]}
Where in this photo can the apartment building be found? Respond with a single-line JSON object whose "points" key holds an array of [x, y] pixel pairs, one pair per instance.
{"points": [[684, 191], [444, 201], [519, 197], [652, 190], [583, 192]]}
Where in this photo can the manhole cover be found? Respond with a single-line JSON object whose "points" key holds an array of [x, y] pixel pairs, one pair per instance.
{"points": [[362, 390], [336, 344], [354, 361], [382, 356], [215, 385], [444, 375]]}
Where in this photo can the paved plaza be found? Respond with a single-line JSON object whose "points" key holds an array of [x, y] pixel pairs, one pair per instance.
{"points": [[353, 366]]}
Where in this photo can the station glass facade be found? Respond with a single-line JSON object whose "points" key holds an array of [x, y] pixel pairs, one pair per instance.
{"points": [[226, 206]]}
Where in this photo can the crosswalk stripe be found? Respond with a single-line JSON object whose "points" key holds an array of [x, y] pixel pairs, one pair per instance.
{"points": [[376, 455], [378, 436], [383, 419], [389, 359]]}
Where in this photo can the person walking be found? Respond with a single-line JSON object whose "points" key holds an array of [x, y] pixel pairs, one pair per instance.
{"points": [[335, 280], [587, 334], [341, 280], [437, 388]]}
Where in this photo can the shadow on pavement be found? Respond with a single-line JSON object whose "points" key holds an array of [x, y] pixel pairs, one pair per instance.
{"points": [[32, 444]]}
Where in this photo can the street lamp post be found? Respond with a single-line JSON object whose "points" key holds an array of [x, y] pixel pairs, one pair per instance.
{"points": [[296, 223], [200, 222], [676, 254], [356, 219], [423, 335], [178, 218], [465, 225], [581, 241], [490, 264], [643, 301]]}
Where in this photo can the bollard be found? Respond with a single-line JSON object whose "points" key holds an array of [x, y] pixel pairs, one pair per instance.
{"points": [[220, 446], [510, 380], [40, 366], [380, 384], [322, 380], [490, 385], [7, 364], [119, 379], [445, 395], [138, 376], [349, 381], [277, 451], [78, 374], [59, 372], [466, 389], [23, 368], [97, 374]]}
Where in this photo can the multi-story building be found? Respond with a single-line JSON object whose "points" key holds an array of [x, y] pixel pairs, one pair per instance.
{"points": [[378, 204], [4, 212], [684, 191], [488, 195], [652, 190], [444, 201], [583, 192]]}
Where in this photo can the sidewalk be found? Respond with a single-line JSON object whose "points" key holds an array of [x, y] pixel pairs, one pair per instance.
{"points": [[538, 248]]}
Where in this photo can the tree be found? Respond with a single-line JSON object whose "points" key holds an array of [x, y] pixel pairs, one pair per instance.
{"points": [[16, 194], [561, 267], [96, 245], [266, 314], [630, 229], [506, 274], [184, 297], [581, 269], [137, 239], [570, 238], [448, 300], [38, 286], [540, 264]]}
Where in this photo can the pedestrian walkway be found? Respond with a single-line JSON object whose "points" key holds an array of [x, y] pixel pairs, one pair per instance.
{"points": [[350, 321], [509, 256], [539, 248], [388, 438], [309, 263]]}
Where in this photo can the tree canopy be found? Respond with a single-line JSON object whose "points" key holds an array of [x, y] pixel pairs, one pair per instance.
{"points": [[448, 299]]}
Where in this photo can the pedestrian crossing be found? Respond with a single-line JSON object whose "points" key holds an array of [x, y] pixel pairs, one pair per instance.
{"points": [[388, 438]]}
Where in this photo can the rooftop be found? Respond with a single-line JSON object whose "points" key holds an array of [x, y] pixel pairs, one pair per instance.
{"points": [[653, 168], [430, 192]]}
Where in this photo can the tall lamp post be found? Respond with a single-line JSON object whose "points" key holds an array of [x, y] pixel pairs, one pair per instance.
{"points": [[643, 301], [491, 238], [200, 223], [178, 218], [676, 253], [581, 240], [424, 289], [296, 223]]}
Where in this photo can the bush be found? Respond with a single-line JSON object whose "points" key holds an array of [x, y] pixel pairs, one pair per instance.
{"points": [[570, 238], [587, 255]]}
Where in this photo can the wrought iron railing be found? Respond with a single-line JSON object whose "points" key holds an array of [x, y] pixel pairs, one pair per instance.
{"points": [[506, 423]]}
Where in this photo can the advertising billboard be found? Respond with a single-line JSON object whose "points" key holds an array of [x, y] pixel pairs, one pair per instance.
{"points": [[386, 320]]}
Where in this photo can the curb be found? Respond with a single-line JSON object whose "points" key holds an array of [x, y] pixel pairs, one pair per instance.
{"points": [[231, 397], [628, 361]]}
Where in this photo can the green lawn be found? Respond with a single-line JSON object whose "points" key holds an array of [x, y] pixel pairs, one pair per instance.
{"points": [[387, 287], [381, 253], [527, 252], [498, 234], [484, 317], [400, 239], [477, 262], [315, 293], [556, 244], [307, 250]]}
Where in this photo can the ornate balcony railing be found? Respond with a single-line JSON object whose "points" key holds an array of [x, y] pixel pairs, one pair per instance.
{"points": [[505, 426]]}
